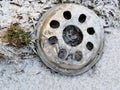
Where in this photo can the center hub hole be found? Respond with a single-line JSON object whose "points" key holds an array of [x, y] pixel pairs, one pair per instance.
{"points": [[72, 35]]}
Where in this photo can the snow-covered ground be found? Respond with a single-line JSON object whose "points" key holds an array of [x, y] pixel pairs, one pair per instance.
{"points": [[29, 73]]}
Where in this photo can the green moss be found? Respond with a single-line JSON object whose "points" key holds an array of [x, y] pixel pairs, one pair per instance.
{"points": [[16, 36]]}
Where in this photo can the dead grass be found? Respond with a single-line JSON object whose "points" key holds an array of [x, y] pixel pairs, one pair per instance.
{"points": [[16, 36]]}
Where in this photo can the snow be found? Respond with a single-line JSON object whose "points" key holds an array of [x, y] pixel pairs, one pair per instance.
{"points": [[29, 73]]}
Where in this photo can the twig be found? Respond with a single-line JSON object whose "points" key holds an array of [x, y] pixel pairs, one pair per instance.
{"points": [[16, 4]]}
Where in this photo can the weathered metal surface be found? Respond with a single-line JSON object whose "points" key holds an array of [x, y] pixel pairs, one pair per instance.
{"points": [[71, 39]]}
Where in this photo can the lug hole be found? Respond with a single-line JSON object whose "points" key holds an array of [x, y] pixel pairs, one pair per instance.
{"points": [[91, 30], [53, 40], [67, 15], [62, 53], [54, 24], [82, 18], [89, 46], [78, 55]]}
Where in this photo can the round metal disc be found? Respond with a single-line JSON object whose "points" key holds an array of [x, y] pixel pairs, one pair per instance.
{"points": [[71, 39]]}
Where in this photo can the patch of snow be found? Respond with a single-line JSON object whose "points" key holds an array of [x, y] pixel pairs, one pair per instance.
{"points": [[30, 73]]}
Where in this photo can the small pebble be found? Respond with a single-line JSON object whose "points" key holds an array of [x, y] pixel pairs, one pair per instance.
{"points": [[70, 56]]}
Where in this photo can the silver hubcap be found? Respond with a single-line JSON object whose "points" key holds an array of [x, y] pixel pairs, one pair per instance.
{"points": [[70, 39]]}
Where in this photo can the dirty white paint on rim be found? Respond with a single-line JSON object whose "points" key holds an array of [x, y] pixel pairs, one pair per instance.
{"points": [[65, 50]]}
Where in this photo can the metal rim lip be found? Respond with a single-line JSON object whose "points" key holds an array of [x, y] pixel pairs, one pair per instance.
{"points": [[89, 57]]}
